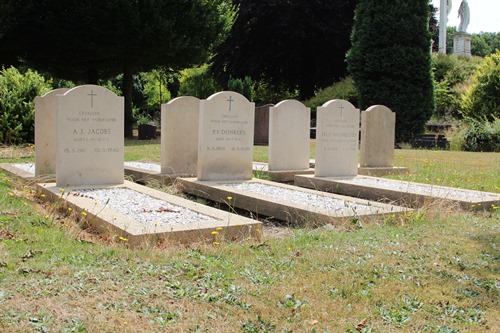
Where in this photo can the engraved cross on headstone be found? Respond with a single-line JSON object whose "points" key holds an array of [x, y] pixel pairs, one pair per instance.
{"points": [[92, 98], [341, 107], [230, 100]]}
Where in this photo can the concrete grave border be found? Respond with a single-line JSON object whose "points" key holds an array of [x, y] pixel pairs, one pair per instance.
{"points": [[408, 199], [294, 213], [107, 221], [110, 222]]}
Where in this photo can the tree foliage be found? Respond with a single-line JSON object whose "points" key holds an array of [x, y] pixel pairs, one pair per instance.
{"points": [[17, 93], [482, 100], [485, 43], [299, 44], [390, 60], [91, 39]]}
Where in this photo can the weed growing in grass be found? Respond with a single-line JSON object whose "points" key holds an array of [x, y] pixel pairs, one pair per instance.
{"points": [[259, 326]]}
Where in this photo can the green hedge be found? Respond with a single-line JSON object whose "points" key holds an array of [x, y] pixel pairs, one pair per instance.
{"points": [[17, 106]]}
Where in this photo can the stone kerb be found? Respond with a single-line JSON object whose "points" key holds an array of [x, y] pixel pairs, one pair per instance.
{"points": [[337, 137], [45, 134], [289, 143], [378, 126], [225, 143], [179, 136], [89, 137]]}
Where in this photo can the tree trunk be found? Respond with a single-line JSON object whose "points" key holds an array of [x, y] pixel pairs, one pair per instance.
{"points": [[127, 85]]}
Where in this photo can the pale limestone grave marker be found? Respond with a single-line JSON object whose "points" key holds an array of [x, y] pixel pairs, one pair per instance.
{"points": [[89, 137], [378, 126], [45, 133], [289, 143], [225, 143], [337, 136], [179, 136]]}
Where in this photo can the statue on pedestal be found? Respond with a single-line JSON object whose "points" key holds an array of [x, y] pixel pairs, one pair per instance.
{"points": [[464, 14]]}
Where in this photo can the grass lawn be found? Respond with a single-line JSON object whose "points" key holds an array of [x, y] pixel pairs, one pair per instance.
{"points": [[436, 270]]}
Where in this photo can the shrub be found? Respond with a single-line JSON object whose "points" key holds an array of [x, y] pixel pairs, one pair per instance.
{"points": [[344, 89], [482, 100], [197, 82], [243, 87], [17, 107], [266, 93], [482, 136]]}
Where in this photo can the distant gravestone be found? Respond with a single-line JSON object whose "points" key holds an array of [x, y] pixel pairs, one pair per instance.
{"points": [[261, 127], [179, 136], [378, 126], [337, 133], [89, 137], [45, 132], [289, 143], [225, 143]]}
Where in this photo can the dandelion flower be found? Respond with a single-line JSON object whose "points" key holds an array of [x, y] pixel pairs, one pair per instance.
{"points": [[123, 239], [215, 243], [229, 198], [214, 232], [70, 209], [84, 214], [219, 228], [43, 195]]}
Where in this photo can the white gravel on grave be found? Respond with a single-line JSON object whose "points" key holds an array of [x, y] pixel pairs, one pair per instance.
{"points": [[144, 208], [443, 192], [28, 167], [301, 197], [145, 166]]}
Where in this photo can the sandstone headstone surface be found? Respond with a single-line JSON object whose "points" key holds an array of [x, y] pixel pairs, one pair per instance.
{"points": [[225, 143], [378, 126], [89, 137], [289, 143], [337, 133], [179, 136], [45, 132]]}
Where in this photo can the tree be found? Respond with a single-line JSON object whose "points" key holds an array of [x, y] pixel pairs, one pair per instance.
{"points": [[300, 44], [485, 43], [482, 99], [94, 39], [390, 60]]}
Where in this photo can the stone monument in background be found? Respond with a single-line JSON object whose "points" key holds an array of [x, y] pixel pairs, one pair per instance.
{"points": [[462, 39]]}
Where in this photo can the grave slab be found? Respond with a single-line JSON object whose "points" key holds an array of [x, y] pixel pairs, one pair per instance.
{"points": [[143, 216], [403, 193], [373, 171], [297, 206]]}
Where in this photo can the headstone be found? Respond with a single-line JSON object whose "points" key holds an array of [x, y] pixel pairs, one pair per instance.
{"points": [[179, 136], [261, 127], [378, 125], [289, 143], [225, 143], [89, 137], [45, 134], [337, 137]]}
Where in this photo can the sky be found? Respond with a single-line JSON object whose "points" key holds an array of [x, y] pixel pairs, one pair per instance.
{"points": [[484, 15]]}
